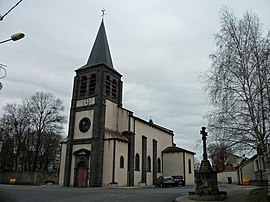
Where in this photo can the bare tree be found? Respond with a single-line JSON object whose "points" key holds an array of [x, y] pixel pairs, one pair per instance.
{"points": [[197, 164], [31, 133], [219, 154], [44, 112], [14, 124], [238, 83]]}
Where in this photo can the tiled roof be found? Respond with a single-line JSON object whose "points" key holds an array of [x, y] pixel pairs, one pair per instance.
{"points": [[245, 162], [116, 135], [173, 149]]}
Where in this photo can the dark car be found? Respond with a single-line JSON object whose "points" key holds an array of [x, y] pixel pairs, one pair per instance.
{"points": [[165, 181], [179, 180]]}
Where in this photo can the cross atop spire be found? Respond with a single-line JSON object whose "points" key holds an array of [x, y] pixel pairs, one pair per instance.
{"points": [[103, 13]]}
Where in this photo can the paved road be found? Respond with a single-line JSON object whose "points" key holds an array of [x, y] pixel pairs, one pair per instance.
{"points": [[16, 193]]}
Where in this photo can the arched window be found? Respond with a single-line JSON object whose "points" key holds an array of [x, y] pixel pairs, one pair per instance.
{"points": [[92, 84], [158, 165], [122, 162], [83, 86], [114, 85], [189, 166], [108, 85], [137, 162], [148, 164]]}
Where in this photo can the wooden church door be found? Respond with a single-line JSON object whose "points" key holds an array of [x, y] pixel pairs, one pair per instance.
{"points": [[81, 174]]}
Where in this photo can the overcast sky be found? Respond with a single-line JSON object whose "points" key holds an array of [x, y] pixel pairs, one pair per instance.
{"points": [[160, 47]]}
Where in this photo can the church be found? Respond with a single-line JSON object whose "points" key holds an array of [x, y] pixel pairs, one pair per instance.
{"points": [[107, 145]]}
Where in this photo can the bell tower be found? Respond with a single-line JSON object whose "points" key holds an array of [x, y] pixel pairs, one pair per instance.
{"points": [[100, 63], [94, 83]]}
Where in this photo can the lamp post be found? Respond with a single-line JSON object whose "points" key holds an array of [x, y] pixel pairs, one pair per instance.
{"points": [[15, 37], [2, 16]]}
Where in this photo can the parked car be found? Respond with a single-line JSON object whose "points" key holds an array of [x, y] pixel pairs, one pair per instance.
{"points": [[179, 180], [165, 181]]}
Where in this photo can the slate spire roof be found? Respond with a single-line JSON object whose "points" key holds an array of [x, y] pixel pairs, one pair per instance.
{"points": [[100, 53]]}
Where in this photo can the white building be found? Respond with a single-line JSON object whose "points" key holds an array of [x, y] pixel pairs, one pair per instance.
{"points": [[252, 171], [107, 144]]}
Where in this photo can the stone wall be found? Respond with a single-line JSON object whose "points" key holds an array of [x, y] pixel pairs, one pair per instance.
{"points": [[28, 177]]}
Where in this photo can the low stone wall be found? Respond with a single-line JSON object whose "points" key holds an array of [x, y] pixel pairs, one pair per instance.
{"points": [[28, 177]]}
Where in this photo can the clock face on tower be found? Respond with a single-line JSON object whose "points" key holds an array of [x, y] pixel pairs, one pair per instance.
{"points": [[85, 102], [84, 124]]}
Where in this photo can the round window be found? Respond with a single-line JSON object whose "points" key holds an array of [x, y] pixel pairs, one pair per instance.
{"points": [[84, 124]]}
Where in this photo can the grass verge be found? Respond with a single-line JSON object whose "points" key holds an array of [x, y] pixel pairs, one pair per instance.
{"points": [[257, 195]]}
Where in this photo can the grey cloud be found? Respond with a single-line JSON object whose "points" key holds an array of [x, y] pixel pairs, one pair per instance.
{"points": [[160, 48]]}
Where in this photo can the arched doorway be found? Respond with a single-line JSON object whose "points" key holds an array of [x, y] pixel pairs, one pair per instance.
{"points": [[81, 178]]}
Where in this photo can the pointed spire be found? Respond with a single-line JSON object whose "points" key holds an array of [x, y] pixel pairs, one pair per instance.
{"points": [[100, 53]]}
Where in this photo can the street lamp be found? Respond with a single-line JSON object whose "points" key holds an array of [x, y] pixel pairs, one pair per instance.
{"points": [[14, 37]]}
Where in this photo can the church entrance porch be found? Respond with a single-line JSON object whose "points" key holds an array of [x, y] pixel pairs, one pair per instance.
{"points": [[81, 168]]}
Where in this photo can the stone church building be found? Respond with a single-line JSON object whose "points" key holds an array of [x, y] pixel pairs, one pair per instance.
{"points": [[106, 144]]}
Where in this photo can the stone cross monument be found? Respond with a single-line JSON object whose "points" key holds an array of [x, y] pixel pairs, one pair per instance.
{"points": [[204, 134], [205, 164], [206, 178]]}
